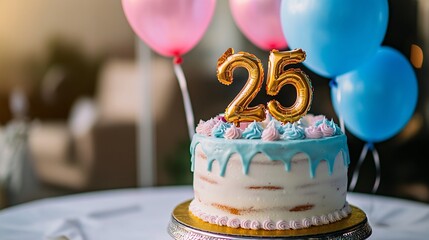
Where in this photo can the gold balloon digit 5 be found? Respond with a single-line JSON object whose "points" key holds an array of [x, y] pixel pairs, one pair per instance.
{"points": [[238, 110], [278, 77]]}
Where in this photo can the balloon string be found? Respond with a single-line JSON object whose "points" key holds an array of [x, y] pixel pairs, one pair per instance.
{"points": [[376, 157], [358, 166], [333, 84], [186, 99], [377, 169]]}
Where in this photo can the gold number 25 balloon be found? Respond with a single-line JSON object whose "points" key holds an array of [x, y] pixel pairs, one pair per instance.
{"points": [[238, 110]]}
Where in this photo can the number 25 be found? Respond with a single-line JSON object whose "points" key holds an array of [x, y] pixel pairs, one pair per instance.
{"points": [[238, 110]]}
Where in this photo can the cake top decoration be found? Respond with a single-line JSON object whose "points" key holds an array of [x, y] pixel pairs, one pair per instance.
{"points": [[308, 127], [310, 135], [240, 111]]}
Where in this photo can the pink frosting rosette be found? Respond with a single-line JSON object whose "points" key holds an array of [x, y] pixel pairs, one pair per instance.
{"points": [[344, 213], [306, 222], [222, 221], [233, 222], [337, 215], [324, 219], [270, 133], [213, 219], [326, 129], [233, 132], [205, 217], [331, 217], [200, 127], [316, 220], [246, 224], [205, 128], [268, 225], [282, 225], [313, 132], [255, 225], [295, 224]]}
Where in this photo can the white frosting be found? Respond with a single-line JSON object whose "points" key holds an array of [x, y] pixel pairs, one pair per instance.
{"points": [[268, 224], [295, 224], [255, 225], [268, 196], [233, 222], [222, 221], [282, 225], [306, 222], [213, 219], [246, 224]]}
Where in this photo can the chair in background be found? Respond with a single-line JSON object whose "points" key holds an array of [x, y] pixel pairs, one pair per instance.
{"points": [[96, 148]]}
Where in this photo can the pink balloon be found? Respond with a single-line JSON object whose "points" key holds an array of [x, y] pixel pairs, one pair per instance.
{"points": [[171, 28], [259, 21]]}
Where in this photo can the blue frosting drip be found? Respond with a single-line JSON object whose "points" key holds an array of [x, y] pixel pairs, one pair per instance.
{"points": [[253, 131], [219, 131], [315, 149]]}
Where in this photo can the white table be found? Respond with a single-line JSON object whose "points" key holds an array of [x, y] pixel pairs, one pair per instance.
{"points": [[139, 214]]}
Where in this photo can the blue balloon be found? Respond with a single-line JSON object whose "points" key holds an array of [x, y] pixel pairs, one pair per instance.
{"points": [[377, 99], [338, 35]]}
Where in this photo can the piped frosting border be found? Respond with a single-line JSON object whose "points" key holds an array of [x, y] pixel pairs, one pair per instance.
{"points": [[269, 224]]}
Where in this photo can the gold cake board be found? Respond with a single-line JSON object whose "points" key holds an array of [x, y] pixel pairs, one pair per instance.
{"points": [[184, 225]]}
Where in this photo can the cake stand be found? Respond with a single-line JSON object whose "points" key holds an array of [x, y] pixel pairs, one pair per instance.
{"points": [[183, 225]]}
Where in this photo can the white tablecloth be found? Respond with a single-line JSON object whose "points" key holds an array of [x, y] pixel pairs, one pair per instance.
{"points": [[138, 214]]}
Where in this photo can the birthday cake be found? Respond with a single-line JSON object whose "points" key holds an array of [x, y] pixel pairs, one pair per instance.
{"points": [[273, 167], [270, 175]]}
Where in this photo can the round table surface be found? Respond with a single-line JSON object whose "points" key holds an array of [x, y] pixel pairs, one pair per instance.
{"points": [[144, 213]]}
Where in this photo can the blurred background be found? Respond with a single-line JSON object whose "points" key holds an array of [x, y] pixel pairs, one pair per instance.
{"points": [[71, 101]]}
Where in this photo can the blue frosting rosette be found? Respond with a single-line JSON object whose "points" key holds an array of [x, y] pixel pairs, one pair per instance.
{"points": [[253, 131], [292, 132]]}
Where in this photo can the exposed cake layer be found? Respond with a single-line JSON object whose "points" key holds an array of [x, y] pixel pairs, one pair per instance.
{"points": [[271, 185]]}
